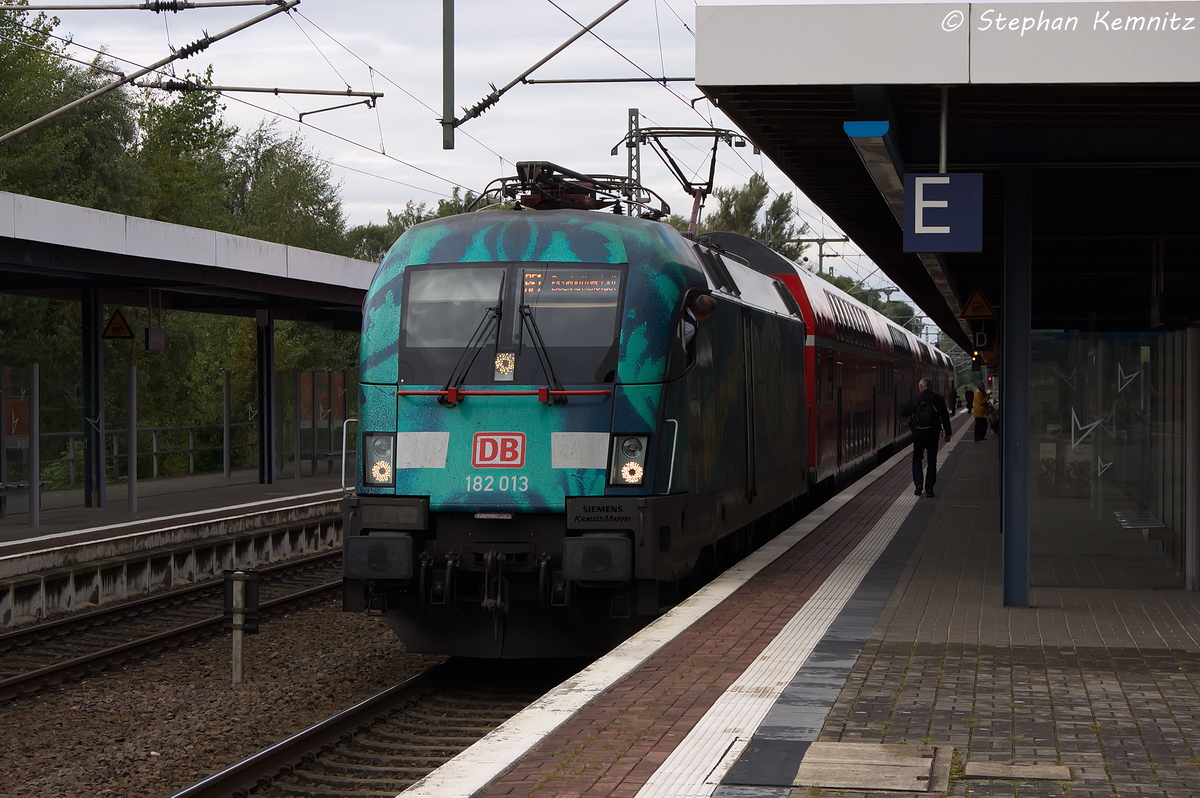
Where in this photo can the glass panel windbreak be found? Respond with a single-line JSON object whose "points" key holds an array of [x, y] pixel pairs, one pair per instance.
{"points": [[1107, 456]]}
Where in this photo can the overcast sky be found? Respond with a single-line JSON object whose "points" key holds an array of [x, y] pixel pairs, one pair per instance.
{"points": [[396, 47]]}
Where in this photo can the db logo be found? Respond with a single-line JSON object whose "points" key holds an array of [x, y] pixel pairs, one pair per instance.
{"points": [[498, 450]]}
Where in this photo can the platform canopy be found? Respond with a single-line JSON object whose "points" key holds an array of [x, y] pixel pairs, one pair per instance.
{"points": [[55, 250], [1101, 100]]}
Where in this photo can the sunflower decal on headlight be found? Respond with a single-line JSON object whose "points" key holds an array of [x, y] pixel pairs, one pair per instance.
{"points": [[631, 473], [381, 471]]}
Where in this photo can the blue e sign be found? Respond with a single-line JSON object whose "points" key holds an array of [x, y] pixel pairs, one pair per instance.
{"points": [[943, 212]]}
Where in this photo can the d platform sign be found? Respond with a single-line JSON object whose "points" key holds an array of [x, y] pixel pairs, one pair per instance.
{"points": [[943, 212]]}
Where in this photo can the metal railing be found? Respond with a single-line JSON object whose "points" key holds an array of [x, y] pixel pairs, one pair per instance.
{"points": [[115, 455]]}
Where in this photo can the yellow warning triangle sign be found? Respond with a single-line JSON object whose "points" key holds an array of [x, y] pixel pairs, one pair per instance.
{"points": [[978, 307], [117, 328]]}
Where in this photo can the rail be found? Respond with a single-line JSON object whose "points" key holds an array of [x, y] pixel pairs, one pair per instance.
{"points": [[286, 752], [54, 672]]}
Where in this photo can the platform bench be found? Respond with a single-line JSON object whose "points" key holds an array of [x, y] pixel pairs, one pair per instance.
{"points": [[1143, 520], [14, 489]]}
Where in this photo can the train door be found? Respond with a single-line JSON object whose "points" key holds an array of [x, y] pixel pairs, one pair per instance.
{"points": [[748, 360], [841, 421], [875, 407]]}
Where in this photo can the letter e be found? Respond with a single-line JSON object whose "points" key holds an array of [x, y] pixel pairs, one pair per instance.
{"points": [[921, 204]]}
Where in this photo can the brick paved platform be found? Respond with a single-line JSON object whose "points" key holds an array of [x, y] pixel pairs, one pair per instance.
{"points": [[1103, 681]]}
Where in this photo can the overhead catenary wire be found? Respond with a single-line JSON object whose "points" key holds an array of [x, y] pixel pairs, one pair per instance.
{"points": [[589, 30], [319, 51], [184, 52], [405, 91], [493, 98], [64, 56], [454, 183], [157, 6], [804, 212], [686, 27]]}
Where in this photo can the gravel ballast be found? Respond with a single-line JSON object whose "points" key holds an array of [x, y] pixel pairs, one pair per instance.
{"points": [[152, 727]]}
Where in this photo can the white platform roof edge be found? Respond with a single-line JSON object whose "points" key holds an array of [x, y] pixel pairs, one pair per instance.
{"points": [[45, 221], [810, 44]]}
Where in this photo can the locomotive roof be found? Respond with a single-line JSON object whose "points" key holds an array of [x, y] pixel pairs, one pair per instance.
{"points": [[761, 258]]}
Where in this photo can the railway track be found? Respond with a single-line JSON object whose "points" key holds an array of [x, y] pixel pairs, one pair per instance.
{"points": [[388, 742], [73, 646]]}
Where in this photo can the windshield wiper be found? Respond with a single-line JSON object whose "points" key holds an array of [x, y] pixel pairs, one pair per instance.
{"points": [[539, 346], [490, 321]]}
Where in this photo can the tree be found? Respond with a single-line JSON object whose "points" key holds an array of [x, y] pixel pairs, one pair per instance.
{"points": [[739, 210], [184, 158], [901, 313], [82, 157], [372, 241], [282, 192]]}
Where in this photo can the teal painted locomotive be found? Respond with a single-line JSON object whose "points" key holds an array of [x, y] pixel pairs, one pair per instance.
{"points": [[552, 452]]}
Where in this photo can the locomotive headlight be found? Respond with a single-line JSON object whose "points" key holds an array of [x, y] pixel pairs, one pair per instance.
{"points": [[506, 366], [628, 464], [379, 462]]}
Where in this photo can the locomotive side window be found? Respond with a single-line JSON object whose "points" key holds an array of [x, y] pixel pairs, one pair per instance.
{"points": [[445, 306]]}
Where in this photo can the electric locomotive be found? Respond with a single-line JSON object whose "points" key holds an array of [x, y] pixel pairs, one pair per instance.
{"points": [[546, 457]]}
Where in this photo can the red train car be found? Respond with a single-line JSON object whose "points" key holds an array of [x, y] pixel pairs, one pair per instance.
{"points": [[862, 367]]}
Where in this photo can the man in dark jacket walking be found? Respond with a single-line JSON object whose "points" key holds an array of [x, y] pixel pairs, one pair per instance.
{"points": [[927, 416]]}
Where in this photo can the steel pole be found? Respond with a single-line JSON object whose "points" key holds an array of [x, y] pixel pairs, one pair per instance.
{"points": [[226, 424], [239, 623], [1016, 409], [133, 496], [447, 74], [35, 445]]}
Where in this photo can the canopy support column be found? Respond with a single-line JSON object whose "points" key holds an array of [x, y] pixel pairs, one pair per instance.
{"points": [[1016, 406]]}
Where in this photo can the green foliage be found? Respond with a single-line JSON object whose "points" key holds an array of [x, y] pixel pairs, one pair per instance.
{"points": [[680, 223], [745, 210], [901, 313], [372, 241], [185, 158], [306, 347], [282, 192], [46, 332], [83, 156], [172, 158]]}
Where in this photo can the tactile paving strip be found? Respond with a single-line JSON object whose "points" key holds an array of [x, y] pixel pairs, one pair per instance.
{"points": [[722, 735]]}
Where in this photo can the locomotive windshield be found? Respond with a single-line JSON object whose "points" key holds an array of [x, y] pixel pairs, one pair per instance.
{"points": [[446, 306], [575, 308]]}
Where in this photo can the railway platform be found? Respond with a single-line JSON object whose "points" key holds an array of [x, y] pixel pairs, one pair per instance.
{"points": [[159, 502], [185, 530], [866, 652]]}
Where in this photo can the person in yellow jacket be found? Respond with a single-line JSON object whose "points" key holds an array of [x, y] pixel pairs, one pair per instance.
{"points": [[980, 412]]}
